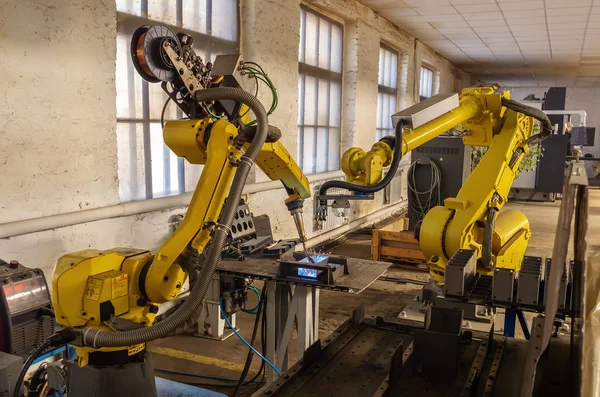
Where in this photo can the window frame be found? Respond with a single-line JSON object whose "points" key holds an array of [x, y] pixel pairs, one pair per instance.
{"points": [[318, 73], [382, 89], [127, 23]]}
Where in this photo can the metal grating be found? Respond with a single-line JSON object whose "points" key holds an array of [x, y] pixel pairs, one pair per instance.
{"points": [[29, 335]]}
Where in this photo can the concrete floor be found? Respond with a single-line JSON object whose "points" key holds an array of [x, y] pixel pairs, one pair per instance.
{"points": [[207, 357]]}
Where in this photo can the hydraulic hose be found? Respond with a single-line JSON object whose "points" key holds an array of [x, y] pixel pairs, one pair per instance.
{"points": [[97, 338], [537, 114], [488, 235], [397, 147]]}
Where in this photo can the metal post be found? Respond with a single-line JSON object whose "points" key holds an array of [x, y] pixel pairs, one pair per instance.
{"points": [[315, 330], [282, 310], [305, 318], [510, 318], [271, 319], [524, 325]]}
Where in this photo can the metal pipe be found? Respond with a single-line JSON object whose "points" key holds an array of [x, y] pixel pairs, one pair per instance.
{"points": [[356, 224], [581, 113], [34, 225]]}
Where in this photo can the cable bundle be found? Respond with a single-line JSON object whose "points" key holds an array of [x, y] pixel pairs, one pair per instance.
{"points": [[421, 201]]}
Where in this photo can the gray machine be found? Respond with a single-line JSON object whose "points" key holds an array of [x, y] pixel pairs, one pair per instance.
{"points": [[437, 172], [10, 365]]}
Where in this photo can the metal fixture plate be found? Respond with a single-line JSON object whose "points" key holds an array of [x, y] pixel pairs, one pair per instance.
{"points": [[362, 273]]}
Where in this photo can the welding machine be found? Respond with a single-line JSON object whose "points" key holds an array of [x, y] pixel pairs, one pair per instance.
{"points": [[25, 308]]}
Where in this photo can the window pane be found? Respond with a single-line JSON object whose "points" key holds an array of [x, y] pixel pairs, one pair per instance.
{"points": [[387, 66], [426, 82], [310, 98], [128, 82], [379, 110], [336, 48], [334, 149], [194, 15], [391, 111], [321, 149], [335, 102], [394, 71], [130, 157], [310, 55], [163, 11], [324, 38], [381, 66], [300, 99], [308, 154], [320, 97], [302, 47], [133, 7], [323, 98], [157, 100], [386, 111], [164, 165], [224, 19], [192, 175]]}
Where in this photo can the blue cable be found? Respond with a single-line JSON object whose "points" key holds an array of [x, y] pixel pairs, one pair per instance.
{"points": [[255, 308], [168, 371], [244, 340]]}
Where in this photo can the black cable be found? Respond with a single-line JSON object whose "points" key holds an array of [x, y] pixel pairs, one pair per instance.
{"points": [[537, 114], [162, 114], [397, 147], [433, 194], [34, 354], [64, 335], [250, 355], [263, 342]]}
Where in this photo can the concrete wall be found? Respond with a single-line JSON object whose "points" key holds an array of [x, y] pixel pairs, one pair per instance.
{"points": [[578, 98], [57, 119]]}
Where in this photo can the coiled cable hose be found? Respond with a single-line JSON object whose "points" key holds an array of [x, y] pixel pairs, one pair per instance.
{"points": [[432, 195], [537, 114], [396, 144], [97, 338]]}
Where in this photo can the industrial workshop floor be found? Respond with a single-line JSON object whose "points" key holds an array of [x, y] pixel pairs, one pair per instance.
{"points": [[226, 359]]}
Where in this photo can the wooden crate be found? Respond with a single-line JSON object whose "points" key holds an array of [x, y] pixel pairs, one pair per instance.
{"points": [[397, 226], [396, 246]]}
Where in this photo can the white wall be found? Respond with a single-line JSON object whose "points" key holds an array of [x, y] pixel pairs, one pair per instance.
{"points": [[57, 119]]}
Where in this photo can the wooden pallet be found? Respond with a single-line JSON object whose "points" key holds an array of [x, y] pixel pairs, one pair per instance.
{"points": [[396, 246]]}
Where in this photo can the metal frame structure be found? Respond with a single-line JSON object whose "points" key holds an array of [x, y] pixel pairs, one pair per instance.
{"points": [[126, 25]]}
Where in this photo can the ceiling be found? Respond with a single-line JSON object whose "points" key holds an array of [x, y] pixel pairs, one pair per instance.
{"points": [[514, 42]]}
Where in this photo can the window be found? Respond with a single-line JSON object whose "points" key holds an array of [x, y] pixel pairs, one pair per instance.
{"points": [[147, 168], [320, 93], [426, 89], [387, 91]]}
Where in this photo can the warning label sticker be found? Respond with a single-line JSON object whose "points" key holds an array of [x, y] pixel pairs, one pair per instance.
{"points": [[92, 289], [119, 286]]}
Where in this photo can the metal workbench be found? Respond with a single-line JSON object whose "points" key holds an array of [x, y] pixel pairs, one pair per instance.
{"points": [[288, 302]]}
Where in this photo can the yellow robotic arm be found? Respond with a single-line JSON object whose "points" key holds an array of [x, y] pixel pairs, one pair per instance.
{"points": [[472, 219], [100, 292]]}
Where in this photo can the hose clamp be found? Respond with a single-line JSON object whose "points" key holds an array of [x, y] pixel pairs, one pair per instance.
{"points": [[85, 332], [247, 161], [223, 227]]}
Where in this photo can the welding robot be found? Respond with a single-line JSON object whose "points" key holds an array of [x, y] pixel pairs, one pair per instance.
{"points": [[107, 301]]}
